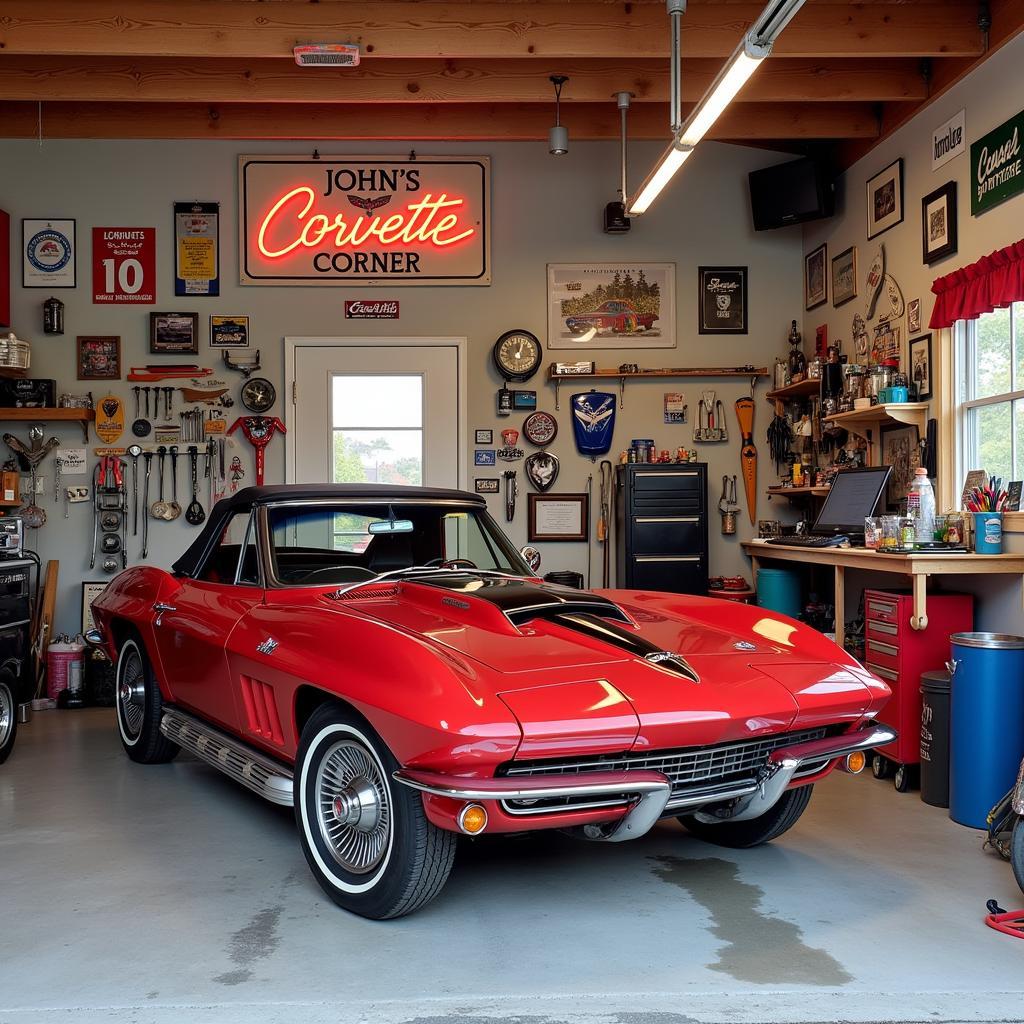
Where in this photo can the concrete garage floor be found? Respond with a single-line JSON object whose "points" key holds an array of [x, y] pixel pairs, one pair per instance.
{"points": [[169, 895]]}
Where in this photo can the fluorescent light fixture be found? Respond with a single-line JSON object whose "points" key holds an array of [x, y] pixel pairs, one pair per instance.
{"points": [[753, 48], [671, 160]]}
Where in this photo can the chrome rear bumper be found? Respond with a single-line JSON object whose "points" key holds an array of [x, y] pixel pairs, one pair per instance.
{"points": [[648, 794]]}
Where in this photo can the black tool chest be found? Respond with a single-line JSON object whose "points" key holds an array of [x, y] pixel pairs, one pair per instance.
{"points": [[661, 518]]}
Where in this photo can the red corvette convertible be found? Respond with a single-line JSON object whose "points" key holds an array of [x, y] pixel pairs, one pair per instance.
{"points": [[382, 659]]}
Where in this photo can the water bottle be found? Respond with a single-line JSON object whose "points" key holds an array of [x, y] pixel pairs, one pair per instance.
{"points": [[921, 505]]}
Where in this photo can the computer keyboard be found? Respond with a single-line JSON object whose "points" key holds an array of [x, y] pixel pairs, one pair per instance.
{"points": [[808, 540]]}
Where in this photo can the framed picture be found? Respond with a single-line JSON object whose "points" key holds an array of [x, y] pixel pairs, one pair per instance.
{"points": [[844, 276], [913, 316], [486, 485], [885, 199], [483, 437], [229, 332], [48, 254], [815, 279], [91, 589], [900, 449], [612, 305], [938, 223], [921, 366], [482, 457], [558, 517], [722, 300], [174, 333], [98, 357]]}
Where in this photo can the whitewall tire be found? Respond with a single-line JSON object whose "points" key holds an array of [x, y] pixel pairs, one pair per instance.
{"points": [[140, 707]]}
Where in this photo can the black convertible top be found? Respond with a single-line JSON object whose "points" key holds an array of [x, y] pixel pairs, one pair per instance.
{"points": [[245, 499]]}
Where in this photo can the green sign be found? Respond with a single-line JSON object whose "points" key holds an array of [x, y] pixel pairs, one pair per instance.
{"points": [[997, 165]]}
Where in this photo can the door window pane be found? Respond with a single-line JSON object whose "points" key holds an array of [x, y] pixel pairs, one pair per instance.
{"points": [[365, 400], [378, 456]]}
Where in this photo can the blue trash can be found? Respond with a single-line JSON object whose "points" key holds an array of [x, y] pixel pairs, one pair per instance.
{"points": [[986, 735], [779, 590]]}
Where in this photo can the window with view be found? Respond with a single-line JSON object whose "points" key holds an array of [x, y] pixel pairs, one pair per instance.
{"points": [[992, 393]]}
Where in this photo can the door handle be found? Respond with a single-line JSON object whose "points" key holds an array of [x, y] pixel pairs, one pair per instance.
{"points": [[160, 608]]}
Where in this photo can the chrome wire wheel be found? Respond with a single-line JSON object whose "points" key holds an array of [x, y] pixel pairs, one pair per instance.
{"points": [[131, 693], [7, 712], [353, 807]]}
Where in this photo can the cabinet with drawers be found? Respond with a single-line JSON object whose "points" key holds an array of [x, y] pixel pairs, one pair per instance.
{"points": [[899, 655], [661, 516]]}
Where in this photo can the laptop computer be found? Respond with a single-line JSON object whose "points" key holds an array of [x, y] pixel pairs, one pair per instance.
{"points": [[853, 496]]}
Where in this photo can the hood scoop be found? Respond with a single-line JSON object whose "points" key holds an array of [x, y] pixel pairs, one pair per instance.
{"points": [[598, 628]]}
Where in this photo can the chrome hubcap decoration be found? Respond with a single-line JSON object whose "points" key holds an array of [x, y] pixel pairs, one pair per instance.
{"points": [[131, 696], [352, 807], [6, 716]]}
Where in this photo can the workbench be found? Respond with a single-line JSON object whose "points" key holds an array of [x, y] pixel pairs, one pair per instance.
{"points": [[918, 566]]}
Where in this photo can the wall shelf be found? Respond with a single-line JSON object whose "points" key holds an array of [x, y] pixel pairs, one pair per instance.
{"points": [[802, 389], [663, 373], [798, 492], [913, 414], [82, 416]]}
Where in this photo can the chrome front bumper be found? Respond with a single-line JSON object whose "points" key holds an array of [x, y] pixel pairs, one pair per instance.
{"points": [[648, 794]]}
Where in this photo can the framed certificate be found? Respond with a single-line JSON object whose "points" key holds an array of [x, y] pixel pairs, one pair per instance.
{"points": [[559, 517]]}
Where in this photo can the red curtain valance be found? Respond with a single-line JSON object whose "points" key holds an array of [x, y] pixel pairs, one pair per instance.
{"points": [[992, 283]]}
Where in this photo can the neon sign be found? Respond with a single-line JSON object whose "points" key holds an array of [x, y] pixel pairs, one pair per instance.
{"points": [[366, 220]]}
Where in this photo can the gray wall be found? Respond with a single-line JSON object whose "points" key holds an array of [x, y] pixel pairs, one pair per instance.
{"points": [[544, 209]]}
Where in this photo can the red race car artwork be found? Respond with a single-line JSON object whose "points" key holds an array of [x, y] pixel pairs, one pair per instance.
{"points": [[383, 660], [616, 315]]}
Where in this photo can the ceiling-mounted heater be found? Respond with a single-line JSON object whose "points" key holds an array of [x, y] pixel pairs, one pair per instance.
{"points": [[326, 55], [615, 220]]}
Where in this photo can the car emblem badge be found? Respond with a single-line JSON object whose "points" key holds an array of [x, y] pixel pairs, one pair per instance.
{"points": [[744, 645], [268, 646]]}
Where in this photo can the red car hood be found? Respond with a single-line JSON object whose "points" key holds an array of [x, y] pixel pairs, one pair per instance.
{"points": [[755, 673]]}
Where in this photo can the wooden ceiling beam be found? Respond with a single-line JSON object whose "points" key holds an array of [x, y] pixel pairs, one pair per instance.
{"points": [[166, 80], [440, 122], [392, 28]]}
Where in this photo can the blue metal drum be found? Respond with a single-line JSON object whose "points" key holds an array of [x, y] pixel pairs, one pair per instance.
{"points": [[986, 722]]}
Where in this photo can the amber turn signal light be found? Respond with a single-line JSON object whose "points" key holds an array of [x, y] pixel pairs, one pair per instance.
{"points": [[472, 819], [856, 762]]}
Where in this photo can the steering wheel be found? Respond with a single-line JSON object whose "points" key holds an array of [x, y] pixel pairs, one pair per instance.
{"points": [[345, 572], [451, 563]]}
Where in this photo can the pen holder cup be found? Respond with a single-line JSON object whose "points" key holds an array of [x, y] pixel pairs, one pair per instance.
{"points": [[988, 533]]}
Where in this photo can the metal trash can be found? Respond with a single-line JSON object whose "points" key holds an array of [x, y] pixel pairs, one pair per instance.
{"points": [[935, 738], [779, 591], [986, 736]]}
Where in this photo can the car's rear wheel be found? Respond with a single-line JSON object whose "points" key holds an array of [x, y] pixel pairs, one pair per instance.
{"points": [[8, 717], [140, 707], [366, 838], [740, 835], [1017, 852]]}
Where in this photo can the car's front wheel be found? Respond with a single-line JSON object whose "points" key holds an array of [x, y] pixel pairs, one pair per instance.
{"points": [[140, 707], [366, 838], [739, 835], [8, 716]]}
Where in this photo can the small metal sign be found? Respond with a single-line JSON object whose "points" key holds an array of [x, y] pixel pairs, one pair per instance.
{"points": [[949, 140], [371, 309], [997, 165]]}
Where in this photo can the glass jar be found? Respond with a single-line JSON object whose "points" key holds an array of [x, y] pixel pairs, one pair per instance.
{"points": [[890, 538], [872, 531], [907, 533]]}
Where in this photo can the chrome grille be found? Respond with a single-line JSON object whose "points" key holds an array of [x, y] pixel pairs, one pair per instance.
{"points": [[687, 768]]}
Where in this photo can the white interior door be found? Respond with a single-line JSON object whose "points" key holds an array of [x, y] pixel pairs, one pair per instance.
{"points": [[380, 410]]}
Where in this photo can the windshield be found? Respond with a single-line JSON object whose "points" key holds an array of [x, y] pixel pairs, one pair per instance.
{"points": [[333, 543]]}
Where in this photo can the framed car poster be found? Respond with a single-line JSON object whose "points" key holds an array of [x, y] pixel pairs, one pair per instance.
{"points": [[229, 332], [173, 333], [722, 300], [612, 305], [48, 254], [196, 249]]}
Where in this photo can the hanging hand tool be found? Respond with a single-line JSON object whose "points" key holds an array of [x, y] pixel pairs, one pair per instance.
{"points": [[148, 459], [604, 530], [586, 525], [173, 508], [168, 402], [721, 430], [748, 453], [511, 492], [160, 507], [194, 514], [135, 451], [727, 507], [146, 390]]}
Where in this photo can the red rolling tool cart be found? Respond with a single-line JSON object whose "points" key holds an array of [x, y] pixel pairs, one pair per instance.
{"points": [[899, 654]]}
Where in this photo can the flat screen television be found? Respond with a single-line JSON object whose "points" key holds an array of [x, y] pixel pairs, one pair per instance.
{"points": [[790, 193]]}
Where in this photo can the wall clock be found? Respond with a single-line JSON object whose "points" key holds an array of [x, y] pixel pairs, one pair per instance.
{"points": [[517, 355], [540, 428], [258, 394]]}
